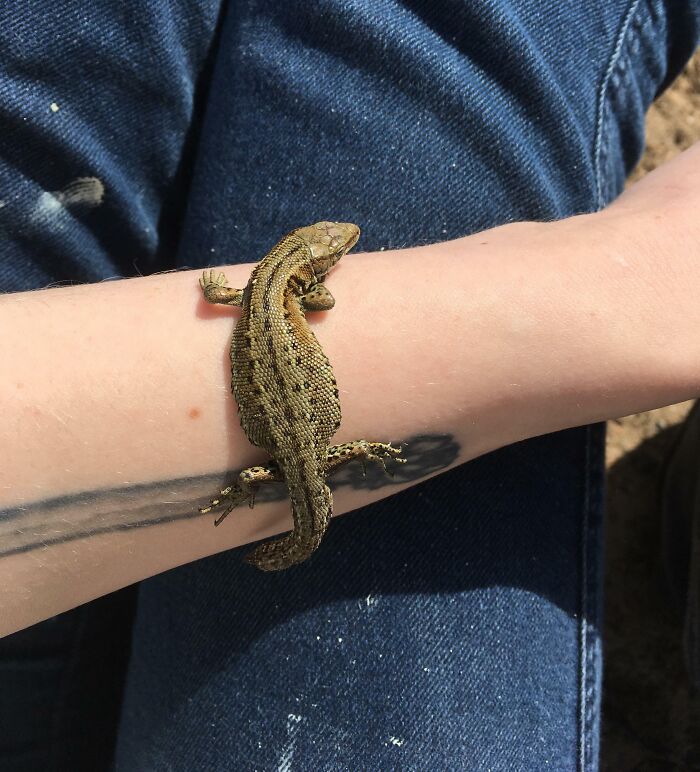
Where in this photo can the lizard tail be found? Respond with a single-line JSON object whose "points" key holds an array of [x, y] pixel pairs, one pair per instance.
{"points": [[312, 507]]}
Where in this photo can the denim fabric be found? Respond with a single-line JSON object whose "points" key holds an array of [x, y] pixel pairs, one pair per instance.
{"points": [[106, 91], [61, 688], [455, 625]]}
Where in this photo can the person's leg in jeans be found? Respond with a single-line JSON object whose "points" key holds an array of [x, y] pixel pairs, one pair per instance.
{"points": [[455, 625], [99, 109]]}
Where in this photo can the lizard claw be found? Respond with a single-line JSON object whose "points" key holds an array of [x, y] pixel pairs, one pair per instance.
{"points": [[220, 519], [253, 490]]}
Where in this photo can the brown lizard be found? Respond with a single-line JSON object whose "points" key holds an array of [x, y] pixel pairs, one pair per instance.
{"points": [[284, 385]]}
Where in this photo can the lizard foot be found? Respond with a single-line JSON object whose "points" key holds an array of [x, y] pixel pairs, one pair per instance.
{"points": [[215, 289], [209, 280], [379, 452], [230, 497], [243, 490]]}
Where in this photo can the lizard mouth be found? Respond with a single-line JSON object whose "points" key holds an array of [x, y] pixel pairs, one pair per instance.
{"points": [[355, 238]]}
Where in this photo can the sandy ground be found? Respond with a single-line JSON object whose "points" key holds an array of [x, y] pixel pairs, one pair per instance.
{"points": [[651, 721]]}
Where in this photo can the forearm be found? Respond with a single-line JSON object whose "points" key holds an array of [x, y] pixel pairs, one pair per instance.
{"points": [[117, 412]]}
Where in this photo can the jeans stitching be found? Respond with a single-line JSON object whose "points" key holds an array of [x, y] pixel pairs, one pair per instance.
{"points": [[598, 151]]}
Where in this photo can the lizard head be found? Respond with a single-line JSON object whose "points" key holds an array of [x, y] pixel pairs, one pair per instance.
{"points": [[328, 242]]}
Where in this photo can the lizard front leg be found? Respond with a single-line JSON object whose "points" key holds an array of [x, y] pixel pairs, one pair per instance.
{"points": [[362, 450], [215, 289], [243, 489]]}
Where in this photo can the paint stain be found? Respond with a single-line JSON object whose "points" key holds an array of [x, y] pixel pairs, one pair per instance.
{"points": [[82, 193], [285, 760]]}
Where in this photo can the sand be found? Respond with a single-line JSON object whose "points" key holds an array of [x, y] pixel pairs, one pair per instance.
{"points": [[651, 721]]}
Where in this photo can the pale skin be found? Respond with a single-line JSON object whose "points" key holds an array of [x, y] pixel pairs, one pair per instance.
{"points": [[116, 404]]}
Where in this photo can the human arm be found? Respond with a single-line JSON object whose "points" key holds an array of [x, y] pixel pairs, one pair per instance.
{"points": [[118, 421]]}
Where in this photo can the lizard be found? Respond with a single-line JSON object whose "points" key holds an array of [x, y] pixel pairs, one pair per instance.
{"points": [[287, 395]]}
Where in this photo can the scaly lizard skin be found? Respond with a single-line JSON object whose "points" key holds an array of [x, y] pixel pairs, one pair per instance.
{"points": [[284, 385]]}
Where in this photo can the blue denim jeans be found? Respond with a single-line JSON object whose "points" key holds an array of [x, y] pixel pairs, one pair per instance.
{"points": [[455, 625]]}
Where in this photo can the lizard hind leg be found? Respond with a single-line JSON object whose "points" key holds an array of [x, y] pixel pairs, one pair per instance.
{"points": [[243, 489], [377, 452]]}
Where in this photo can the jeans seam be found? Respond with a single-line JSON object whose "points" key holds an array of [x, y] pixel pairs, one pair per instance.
{"points": [[602, 100], [589, 606], [582, 610]]}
